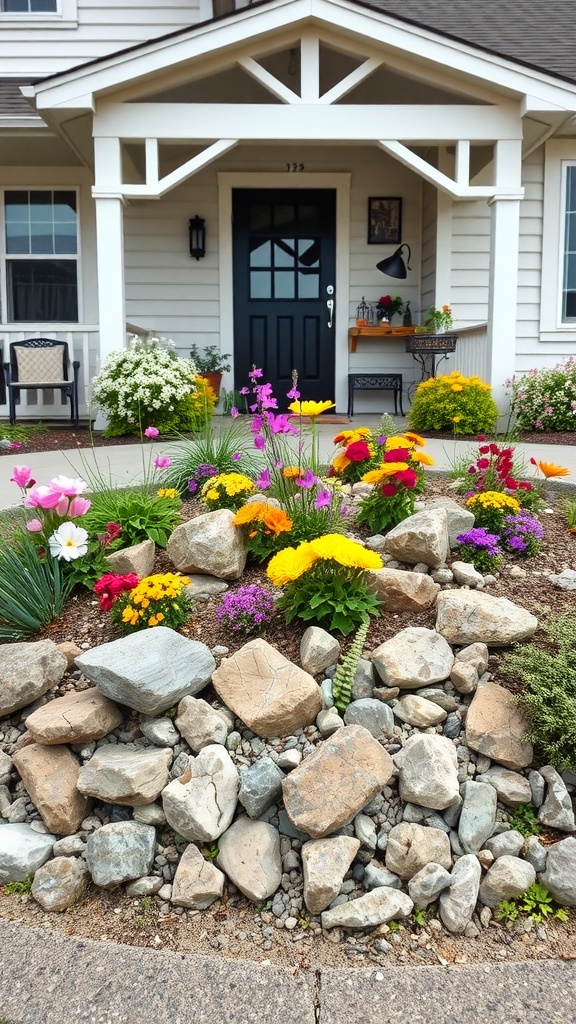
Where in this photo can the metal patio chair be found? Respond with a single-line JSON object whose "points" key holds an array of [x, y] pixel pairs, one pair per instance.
{"points": [[42, 364]]}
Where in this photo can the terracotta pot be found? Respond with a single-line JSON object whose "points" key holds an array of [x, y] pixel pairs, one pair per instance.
{"points": [[214, 379]]}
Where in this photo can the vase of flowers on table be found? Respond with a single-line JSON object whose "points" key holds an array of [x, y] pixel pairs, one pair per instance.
{"points": [[387, 306]]}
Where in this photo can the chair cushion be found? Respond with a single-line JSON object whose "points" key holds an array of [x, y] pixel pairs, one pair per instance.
{"points": [[39, 364]]}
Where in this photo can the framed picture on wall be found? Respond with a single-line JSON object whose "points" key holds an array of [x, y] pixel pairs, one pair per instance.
{"points": [[384, 220]]}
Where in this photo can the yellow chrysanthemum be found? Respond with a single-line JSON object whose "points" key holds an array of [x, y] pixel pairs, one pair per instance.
{"points": [[346, 552], [495, 500], [348, 436], [340, 463], [415, 438], [375, 476], [211, 494], [167, 492], [291, 563], [398, 441], [310, 408], [291, 472], [230, 483], [423, 458]]}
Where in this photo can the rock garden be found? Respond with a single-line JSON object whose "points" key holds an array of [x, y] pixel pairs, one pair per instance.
{"points": [[293, 712]]}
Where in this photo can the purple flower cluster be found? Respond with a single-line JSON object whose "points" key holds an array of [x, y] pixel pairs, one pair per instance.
{"points": [[246, 610], [479, 538], [200, 474], [522, 534]]}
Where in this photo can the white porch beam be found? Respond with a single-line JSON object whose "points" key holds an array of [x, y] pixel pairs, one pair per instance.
{"points": [[152, 164], [272, 84], [192, 166], [462, 163], [258, 121], [109, 245], [341, 89], [439, 179], [310, 68]]}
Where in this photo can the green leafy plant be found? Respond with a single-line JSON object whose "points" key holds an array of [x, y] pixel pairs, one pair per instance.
{"points": [[524, 821], [18, 888], [140, 512], [537, 902], [420, 916], [210, 851], [345, 674], [33, 589], [210, 359], [568, 506], [395, 926], [453, 402], [549, 693]]}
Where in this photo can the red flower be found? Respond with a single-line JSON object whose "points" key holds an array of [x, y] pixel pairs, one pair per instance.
{"points": [[481, 437], [484, 449], [511, 483], [389, 490], [408, 477], [111, 585], [483, 463], [525, 485], [358, 451], [397, 455], [471, 469], [493, 449]]}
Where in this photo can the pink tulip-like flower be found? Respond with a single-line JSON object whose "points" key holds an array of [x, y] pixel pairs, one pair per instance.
{"points": [[78, 507], [308, 480], [42, 497], [21, 476], [151, 432], [68, 485], [234, 412], [34, 526], [62, 506], [162, 462]]}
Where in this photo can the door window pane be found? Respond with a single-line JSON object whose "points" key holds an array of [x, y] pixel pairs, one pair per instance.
{"points": [[284, 252], [261, 255], [284, 216], [308, 286], [309, 252], [260, 217], [260, 284], [283, 284]]}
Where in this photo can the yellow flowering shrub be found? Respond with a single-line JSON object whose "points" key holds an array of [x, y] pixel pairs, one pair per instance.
{"points": [[490, 509], [202, 403], [159, 600], [454, 402], [227, 490]]}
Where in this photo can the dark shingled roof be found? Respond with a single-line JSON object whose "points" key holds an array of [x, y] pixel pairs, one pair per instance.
{"points": [[12, 102], [541, 33]]}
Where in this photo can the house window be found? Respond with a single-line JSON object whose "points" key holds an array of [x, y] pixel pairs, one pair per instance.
{"points": [[41, 232], [30, 6], [569, 276]]}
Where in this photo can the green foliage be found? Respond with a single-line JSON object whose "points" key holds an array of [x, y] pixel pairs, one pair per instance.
{"points": [[419, 916], [568, 506], [336, 597], [462, 404], [542, 399], [345, 674], [19, 433], [210, 851], [524, 821], [537, 902], [18, 888], [210, 359], [480, 558], [33, 590], [215, 448], [381, 512], [140, 512], [394, 926], [549, 694]]}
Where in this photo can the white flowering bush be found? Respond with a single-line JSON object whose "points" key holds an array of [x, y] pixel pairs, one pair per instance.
{"points": [[545, 399], [143, 385]]}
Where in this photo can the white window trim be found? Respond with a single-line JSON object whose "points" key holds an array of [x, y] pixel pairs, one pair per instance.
{"points": [[5, 256], [559, 154], [65, 17]]}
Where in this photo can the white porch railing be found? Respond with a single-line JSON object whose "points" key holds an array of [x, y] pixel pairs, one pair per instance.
{"points": [[471, 355]]}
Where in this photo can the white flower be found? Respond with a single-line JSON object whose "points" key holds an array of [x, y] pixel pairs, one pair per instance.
{"points": [[68, 541]]}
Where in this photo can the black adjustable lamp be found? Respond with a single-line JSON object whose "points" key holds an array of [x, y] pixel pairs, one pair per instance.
{"points": [[394, 266]]}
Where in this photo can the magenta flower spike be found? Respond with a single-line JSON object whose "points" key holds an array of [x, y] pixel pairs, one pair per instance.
{"points": [[151, 432], [162, 462], [21, 476]]}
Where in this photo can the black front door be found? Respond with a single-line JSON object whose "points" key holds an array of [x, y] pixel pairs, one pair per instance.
{"points": [[284, 277]]}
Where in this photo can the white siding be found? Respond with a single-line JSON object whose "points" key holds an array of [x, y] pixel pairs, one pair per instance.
{"points": [[429, 224], [104, 26]]}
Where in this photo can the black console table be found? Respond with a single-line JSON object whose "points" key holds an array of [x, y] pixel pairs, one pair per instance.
{"points": [[364, 380]]}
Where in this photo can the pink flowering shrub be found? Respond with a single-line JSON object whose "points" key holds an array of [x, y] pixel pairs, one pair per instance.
{"points": [[545, 399]]}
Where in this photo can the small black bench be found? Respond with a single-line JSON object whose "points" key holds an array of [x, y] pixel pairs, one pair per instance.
{"points": [[364, 380]]}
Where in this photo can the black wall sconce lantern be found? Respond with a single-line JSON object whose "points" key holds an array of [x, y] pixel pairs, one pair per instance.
{"points": [[197, 232], [394, 266]]}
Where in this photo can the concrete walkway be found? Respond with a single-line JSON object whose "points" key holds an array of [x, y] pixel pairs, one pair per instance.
{"points": [[47, 978], [124, 465]]}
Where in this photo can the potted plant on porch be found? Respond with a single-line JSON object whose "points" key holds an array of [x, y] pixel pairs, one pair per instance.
{"points": [[210, 363]]}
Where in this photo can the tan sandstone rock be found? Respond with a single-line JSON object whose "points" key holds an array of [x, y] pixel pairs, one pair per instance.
{"points": [[334, 783], [209, 544], [399, 591], [197, 882], [271, 695], [139, 559], [50, 775], [496, 726], [471, 616], [75, 718]]}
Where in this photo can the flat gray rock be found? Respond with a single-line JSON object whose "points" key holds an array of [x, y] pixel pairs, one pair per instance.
{"points": [[507, 879], [28, 670], [413, 658], [318, 650], [150, 670], [260, 786], [22, 851], [375, 907], [478, 815], [557, 810], [372, 714], [249, 854], [426, 885], [120, 852], [118, 774], [59, 882]]}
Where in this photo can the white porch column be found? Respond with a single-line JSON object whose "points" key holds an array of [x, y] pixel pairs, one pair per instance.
{"points": [[503, 278], [110, 245]]}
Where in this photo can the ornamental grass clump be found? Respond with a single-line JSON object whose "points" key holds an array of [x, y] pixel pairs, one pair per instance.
{"points": [[227, 490], [247, 610], [490, 509], [325, 581], [396, 482], [481, 549], [159, 600], [545, 399], [144, 383], [453, 402]]}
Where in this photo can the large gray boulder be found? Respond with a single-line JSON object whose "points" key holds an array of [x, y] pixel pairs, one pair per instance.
{"points": [[423, 537], [28, 670], [472, 616], [200, 805], [119, 852], [457, 904], [22, 851], [415, 657], [150, 670], [125, 775], [376, 907], [210, 545], [249, 854], [559, 875], [428, 771]]}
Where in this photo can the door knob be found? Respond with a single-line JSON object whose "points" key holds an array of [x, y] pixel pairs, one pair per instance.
{"points": [[330, 306]]}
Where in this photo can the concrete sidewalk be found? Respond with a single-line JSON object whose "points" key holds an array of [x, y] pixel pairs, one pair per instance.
{"points": [[124, 465], [48, 978]]}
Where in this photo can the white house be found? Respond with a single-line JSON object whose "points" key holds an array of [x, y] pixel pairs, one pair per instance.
{"points": [[276, 123]]}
